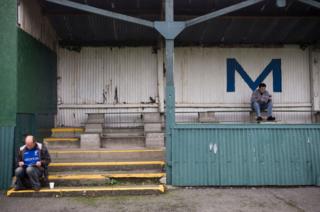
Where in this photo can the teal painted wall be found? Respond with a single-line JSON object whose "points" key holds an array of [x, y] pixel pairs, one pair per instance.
{"points": [[37, 76], [8, 88], [8, 62], [245, 155], [37, 89]]}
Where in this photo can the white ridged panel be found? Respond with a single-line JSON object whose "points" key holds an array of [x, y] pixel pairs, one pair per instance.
{"points": [[200, 74], [93, 75], [200, 81], [31, 20]]}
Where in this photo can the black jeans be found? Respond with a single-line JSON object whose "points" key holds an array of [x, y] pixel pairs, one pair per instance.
{"points": [[28, 177]]}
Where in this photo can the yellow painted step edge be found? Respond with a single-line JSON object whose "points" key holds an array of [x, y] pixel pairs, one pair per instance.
{"points": [[60, 139], [119, 163], [104, 176], [160, 188], [57, 130], [104, 151]]}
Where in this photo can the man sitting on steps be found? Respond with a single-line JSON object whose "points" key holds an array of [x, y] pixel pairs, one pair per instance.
{"points": [[33, 160], [261, 100]]}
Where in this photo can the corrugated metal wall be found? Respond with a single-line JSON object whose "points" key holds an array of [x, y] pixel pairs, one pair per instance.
{"points": [[110, 76], [102, 75], [92, 77], [201, 78], [200, 74], [246, 155], [6, 156]]}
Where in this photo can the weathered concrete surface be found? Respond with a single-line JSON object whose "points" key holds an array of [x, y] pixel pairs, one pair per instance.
{"points": [[90, 141], [191, 199], [154, 139]]}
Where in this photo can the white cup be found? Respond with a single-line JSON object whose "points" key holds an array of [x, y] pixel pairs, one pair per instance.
{"points": [[51, 185]]}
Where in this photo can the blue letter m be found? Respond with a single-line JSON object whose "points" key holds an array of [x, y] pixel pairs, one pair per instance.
{"points": [[274, 66]]}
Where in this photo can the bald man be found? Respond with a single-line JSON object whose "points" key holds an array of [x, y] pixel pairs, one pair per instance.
{"points": [[32, 162]]}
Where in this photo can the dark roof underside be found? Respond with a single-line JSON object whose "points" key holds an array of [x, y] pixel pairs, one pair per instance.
{"points": [[261, 24]]}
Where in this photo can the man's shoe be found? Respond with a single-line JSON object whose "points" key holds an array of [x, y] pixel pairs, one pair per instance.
{"points": [[36, 188], [259, 118], [18, 188], [270, 118]]}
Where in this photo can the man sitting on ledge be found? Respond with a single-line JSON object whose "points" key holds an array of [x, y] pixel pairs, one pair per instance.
{"points": [[261, 100], [33, 160]]}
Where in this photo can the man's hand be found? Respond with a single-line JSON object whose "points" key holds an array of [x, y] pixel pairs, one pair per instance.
{"points": [[21, 163], [38, 164]]}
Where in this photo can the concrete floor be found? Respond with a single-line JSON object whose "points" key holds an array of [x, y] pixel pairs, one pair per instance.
{"points": [[181, 199]]}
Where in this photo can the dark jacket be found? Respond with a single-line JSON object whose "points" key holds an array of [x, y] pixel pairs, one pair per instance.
{"points": [[44, 158]]}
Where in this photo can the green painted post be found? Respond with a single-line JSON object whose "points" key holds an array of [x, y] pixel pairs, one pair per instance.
{"points": [[170, 91], [8, 88], [170, 106]]}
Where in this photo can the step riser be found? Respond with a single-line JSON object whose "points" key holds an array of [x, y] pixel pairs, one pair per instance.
{"points": [[106, 168], [66, 135], [86, 193], [103, 182], [122, 130], [125, 156], [126, 134], [62, 145], [131, 141]]}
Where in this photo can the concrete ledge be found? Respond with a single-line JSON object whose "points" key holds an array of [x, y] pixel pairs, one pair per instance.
{"points": [[95, 121], [152, 127], [90, 141], [253, 115], [93, 128], [95, 115], [207, 117], [152, 117]]}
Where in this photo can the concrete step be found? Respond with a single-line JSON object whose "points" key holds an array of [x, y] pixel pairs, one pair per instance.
{"points": [[123, 134], [95, 121], [108, 141], [107, 155], [61, 143], [107, 166], [96, 115], [66, 132], [93, 128], [90, 191], [123, 130], [105, 178]]}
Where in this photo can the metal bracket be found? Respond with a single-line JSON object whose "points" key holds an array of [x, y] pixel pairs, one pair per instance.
{"points": [[311, 3], [169, 29], [281, 3]]}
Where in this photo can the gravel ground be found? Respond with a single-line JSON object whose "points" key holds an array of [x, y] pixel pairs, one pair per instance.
{"points": [[179, 199]]}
